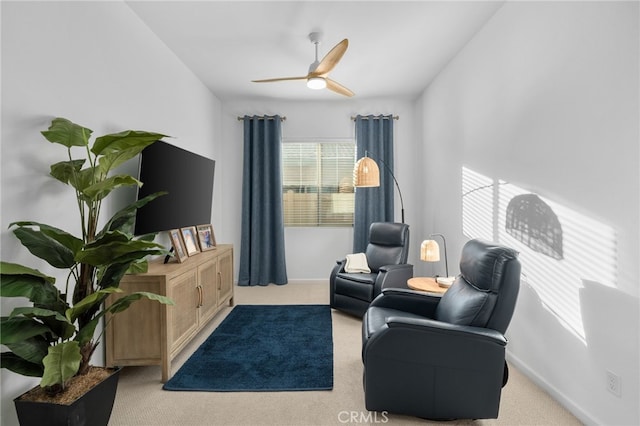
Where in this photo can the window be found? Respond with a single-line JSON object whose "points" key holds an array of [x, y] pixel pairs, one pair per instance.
{"points": [[318, 183]]}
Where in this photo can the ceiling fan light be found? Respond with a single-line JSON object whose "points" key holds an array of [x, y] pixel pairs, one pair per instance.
{"points": [[316, 83]]}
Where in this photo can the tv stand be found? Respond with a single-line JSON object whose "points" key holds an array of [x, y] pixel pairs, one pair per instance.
{"points": [[150, 333]]}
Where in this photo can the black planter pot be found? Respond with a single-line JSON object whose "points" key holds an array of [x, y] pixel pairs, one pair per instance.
{"points": [[91, 409]]}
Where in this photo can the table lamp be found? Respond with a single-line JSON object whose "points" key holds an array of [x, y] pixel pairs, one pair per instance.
{"points": [[430, 252]]}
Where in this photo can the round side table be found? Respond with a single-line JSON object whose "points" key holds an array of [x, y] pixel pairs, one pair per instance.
{"points": [[426, 284]]}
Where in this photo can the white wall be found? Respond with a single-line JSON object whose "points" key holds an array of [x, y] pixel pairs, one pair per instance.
{"points": [[545, 97], [98, 65], [312, 252]]}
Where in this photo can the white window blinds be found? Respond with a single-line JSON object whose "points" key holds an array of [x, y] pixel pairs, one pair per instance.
{"points": [[318, 183]]}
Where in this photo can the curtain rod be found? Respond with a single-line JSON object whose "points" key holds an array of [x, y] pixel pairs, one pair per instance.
{"points": [[384, 117], [263, 117]]}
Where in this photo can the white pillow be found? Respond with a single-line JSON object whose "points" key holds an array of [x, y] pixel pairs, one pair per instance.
{"points": [[357, 263]]}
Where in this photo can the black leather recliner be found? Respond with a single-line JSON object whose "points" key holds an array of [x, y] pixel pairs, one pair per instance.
{"points": [[443, 358], [387, 253]]}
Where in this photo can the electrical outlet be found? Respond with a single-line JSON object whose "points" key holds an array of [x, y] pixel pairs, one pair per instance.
{"points": [[614, 384]]}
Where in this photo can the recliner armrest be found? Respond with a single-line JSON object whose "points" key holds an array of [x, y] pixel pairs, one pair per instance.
{"points": [[389, 268], [463, 331], [392, 276], [415, 302], [339, 267], [422, 340]]}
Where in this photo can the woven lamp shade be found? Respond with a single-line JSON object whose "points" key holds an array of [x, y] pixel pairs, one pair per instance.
{"points": [[430, 251], [366, 173]]}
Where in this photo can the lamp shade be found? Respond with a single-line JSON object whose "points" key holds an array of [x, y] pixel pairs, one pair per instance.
{"points": [[430, 251], [366, 173]]}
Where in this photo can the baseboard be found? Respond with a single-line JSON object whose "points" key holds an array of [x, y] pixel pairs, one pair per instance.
{"points": [[562, 399], [318, 281]]}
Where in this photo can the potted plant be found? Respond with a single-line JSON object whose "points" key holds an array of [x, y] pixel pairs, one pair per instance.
{"points": [[54, 338]]}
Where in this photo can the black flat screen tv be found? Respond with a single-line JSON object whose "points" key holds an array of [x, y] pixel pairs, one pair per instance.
{"points": [[186, 177]]}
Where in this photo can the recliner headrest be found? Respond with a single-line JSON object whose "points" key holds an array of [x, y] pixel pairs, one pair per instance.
{"points": [[483, 263], [388, 233]]}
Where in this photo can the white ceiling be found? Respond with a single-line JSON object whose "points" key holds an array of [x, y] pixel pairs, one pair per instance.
{"points": [[395, 47]]}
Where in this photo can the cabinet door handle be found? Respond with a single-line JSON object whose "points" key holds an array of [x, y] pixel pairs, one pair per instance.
{"points": [[199, 296], [219, 280]]}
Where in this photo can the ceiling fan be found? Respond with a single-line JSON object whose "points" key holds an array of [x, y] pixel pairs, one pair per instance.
{"points": [[317, 77]]}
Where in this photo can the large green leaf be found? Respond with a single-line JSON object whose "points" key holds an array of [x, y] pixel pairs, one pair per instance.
{"points": [[69, 241], [85, 334], [134, 256], [33, 349], [8, 268], [111, 275], [124, 141], [94, 298], [20, 328], [110, 160], [104, 253], [102, 188], [61, 364], [67, 133], [124, 219], [139, 267], [45, 246], [67, 171], [124, 302], [55, 321], [20, 366], [83, 180], [19, 281], [109, 238], [33, 288], [36, 312]]}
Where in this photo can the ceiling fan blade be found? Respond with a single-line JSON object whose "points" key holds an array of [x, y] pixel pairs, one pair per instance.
{"points": [[338, 88], [269, 80], [331, 59]]}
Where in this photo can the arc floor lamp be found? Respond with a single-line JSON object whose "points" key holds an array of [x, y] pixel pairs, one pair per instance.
{"points": [[366, 174]]}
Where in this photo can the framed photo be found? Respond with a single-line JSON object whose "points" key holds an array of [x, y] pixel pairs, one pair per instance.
{"points": [[205, 237], [190, 240], [179, 250]]}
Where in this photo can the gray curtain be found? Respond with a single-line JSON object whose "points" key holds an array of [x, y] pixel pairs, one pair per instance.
{"points": [[374, 134], [262, 254]]}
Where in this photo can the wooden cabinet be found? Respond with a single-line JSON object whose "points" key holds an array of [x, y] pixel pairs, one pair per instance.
{"points": [[150, 333]]}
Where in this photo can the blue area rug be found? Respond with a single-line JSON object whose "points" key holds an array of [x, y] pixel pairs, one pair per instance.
{"points": [[263, 348]]}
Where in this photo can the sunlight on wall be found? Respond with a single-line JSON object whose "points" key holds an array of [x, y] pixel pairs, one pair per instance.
{"points": [[589, 246]]}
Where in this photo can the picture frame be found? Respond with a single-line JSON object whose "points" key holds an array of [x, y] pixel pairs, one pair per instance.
{"points": [[179, 249], [206, 237], [190, 239]]}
